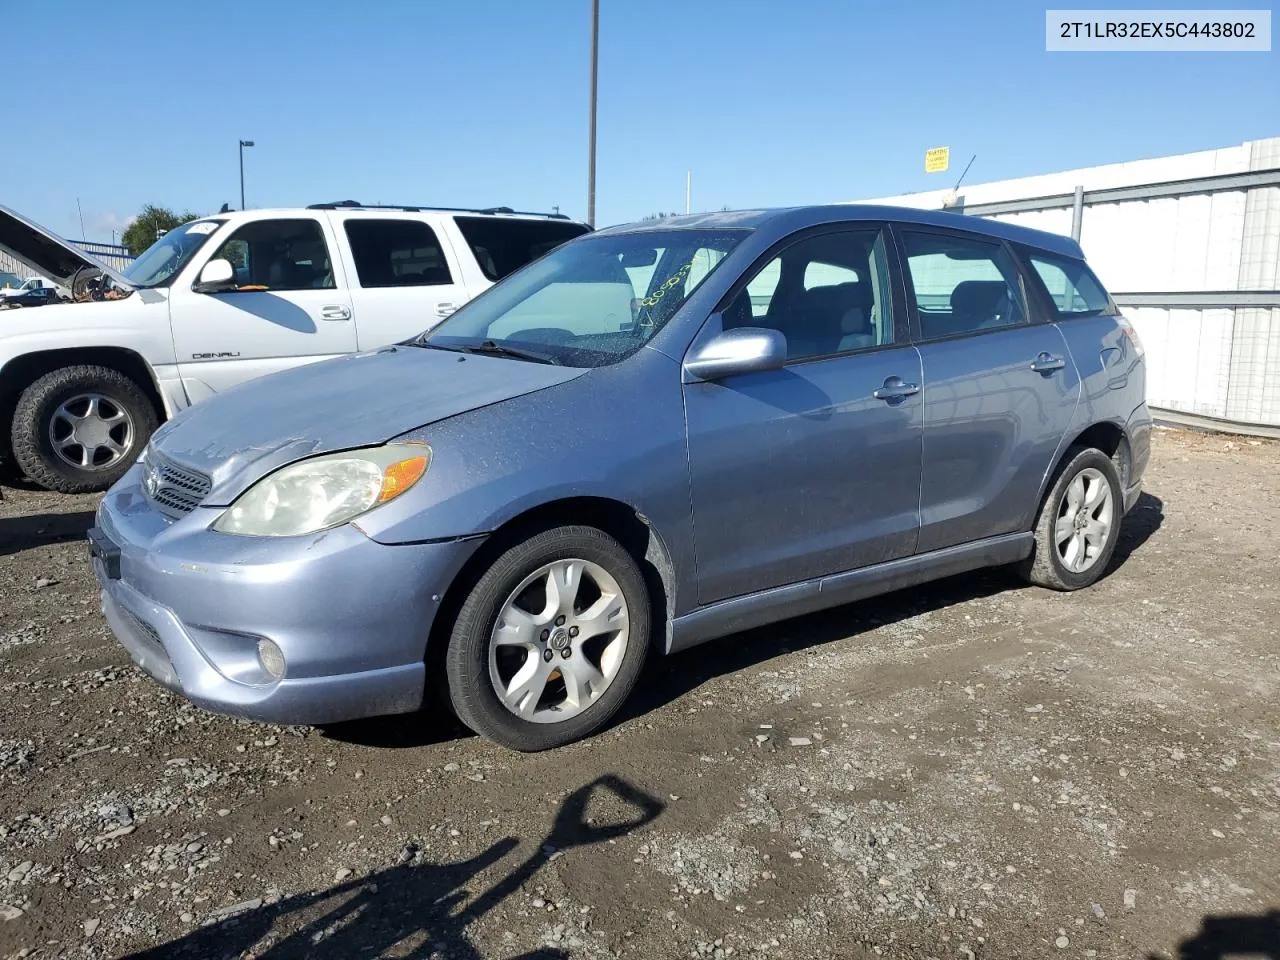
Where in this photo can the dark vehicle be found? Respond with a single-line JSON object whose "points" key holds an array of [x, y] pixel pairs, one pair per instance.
{"points": [[38, 297]]}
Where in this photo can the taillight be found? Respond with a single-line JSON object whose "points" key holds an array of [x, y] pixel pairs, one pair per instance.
{"points": [[1127, 329]]}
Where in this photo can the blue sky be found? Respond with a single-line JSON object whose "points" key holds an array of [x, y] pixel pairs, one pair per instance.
{"points": [[477, 103]]}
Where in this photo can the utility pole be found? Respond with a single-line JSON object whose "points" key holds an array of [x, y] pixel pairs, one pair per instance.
{"points": [[688, 190], [243, 144], [591, 147]]}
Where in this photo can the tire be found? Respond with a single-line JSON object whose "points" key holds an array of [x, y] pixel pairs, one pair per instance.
{"points": [[49, 406], [1065, 556], [607, 571]]}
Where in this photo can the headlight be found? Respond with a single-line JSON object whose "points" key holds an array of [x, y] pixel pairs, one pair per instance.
{"points": [[324, 492]]}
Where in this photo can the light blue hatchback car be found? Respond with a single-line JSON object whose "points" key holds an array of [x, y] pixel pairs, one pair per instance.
{"points": [[655, 435]]}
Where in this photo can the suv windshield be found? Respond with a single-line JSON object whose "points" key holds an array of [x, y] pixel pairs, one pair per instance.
{"points": [[591, 302], [160, 262]]}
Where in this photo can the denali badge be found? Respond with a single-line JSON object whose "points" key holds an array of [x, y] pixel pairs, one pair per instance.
{"points": [[220, 355]]}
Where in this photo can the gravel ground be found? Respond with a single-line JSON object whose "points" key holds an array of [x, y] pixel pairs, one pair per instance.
{"points": [[969, 769]]}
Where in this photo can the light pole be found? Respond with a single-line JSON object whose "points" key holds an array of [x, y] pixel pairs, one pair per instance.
{"points": [[591, 148], [243, 144]]}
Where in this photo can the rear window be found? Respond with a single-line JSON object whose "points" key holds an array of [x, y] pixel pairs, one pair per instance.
{"points": [[1071, 285], [396, 253], [502, 246]]}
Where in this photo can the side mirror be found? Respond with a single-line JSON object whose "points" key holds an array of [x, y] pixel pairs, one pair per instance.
{"points": [[741, 350], [218, 276]]}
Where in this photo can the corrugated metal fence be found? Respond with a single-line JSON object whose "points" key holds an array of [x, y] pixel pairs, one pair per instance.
{"points": [[1194, 261]]}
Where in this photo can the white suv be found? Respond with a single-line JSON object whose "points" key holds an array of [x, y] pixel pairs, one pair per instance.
{"points": [[221, 300]]}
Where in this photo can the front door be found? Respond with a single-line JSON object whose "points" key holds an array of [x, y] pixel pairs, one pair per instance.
{"points": [[291, 306], [815, 468], [999, 388]]}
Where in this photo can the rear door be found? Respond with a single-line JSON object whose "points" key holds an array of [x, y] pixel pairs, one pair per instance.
{"points": [[405, 275], [815, 468], [291, 306], [999, 386]]}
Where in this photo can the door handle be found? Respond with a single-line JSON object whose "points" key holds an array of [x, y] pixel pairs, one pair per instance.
{"points": [[444, 309], [335, 311], [895, 389], [1047, 363]]}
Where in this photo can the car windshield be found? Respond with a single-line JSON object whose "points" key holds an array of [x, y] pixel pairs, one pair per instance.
{"points": [[160, 262], [591, 302], [9, 280]]}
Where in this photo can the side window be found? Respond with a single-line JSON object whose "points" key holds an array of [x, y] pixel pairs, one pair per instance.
{"points": [[828, 294], [503, 245], [396, 253], [962, 284], [1072, 287], [762, 287], [279, 255]]}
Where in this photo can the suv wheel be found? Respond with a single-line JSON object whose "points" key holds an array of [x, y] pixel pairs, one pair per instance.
{"points": [[1079, 523], [550, 641], [78, 429]]}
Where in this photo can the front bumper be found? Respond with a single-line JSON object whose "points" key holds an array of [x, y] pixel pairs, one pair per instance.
{"points": [[350, 616]]}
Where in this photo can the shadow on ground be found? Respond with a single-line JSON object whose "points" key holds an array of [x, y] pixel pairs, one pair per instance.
{"points": [[1256, 936], [41, 529], [413, 910], [670, 678]]}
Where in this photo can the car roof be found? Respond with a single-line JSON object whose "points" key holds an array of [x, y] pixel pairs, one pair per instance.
{"points": [[784, 220]]}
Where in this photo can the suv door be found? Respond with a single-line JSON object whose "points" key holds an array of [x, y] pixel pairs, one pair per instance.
{"points": [[289, 307], [1000, 387], [406, 277], [815, 468]]}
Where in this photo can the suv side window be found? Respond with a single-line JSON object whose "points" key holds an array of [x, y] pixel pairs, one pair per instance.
{"points": [[279, 255], [503, 245], [396, 253], [1071, 285], [962, 284], [828, 294]]}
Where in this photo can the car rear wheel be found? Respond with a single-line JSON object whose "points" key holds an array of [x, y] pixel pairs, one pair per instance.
{"points": [[78, 429], [1078, 525], [551, 640]]}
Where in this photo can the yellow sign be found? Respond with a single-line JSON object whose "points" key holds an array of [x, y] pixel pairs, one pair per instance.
{"points": [[937, 159]]}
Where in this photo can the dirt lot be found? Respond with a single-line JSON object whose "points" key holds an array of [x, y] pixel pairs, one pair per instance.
{"points": [[970, 769]]}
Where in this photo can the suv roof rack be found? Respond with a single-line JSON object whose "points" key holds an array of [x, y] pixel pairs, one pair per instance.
{"points": [[407, 208]]}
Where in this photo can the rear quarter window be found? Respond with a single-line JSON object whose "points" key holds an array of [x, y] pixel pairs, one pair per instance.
{"points": [[1071, 286], [502, 246]]}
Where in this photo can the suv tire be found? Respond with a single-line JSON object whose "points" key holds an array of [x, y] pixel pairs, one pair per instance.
{"points": [[78, 429], [1078, 525], [576, 648]]}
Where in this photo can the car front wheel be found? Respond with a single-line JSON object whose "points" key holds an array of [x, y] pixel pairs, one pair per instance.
{"points": [[78, 429], [550, 642]]}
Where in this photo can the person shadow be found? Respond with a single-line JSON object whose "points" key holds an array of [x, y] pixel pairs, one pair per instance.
{"points": [[1228, 936], [413, 911]]}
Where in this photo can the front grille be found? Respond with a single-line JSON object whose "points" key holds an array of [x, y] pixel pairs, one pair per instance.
{"points": [[174, 489]]}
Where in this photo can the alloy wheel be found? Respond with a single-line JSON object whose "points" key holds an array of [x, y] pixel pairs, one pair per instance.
{"points": [[1084, 520], [558, 641]]}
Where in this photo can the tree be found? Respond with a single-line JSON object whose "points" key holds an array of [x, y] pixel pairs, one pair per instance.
{"points": [[147, 227]]}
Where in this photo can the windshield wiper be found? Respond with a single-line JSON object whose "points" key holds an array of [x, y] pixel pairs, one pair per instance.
{"points": [[493, 348]]}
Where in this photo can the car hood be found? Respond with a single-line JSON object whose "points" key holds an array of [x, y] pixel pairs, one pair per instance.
{"points": [[47, 254], [362, 400]]}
